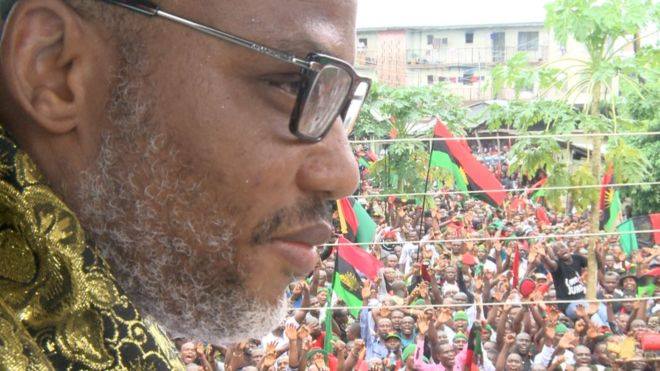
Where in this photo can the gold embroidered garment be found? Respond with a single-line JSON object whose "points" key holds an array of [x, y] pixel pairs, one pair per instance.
{"points": [[60, 307]]}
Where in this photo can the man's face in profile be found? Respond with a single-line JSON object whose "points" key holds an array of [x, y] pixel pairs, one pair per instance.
{"points": [[175, 149]]}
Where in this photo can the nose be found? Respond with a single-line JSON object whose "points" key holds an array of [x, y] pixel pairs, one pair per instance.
{"points": [[329, 167]]}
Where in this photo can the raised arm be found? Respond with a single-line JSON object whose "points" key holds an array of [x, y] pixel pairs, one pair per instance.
{"points": [[501, 357]]}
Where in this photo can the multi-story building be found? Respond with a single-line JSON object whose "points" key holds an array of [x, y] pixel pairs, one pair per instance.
{"points": [[424, 42], [461, 56]]}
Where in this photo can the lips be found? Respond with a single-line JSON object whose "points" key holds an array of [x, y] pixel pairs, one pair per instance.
{"points": [[297, 247]]}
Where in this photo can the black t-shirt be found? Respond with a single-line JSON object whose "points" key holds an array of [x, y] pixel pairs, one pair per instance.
{"points": [[567, 280]]}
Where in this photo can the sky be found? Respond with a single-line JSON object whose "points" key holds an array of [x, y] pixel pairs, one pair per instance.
{"points": [[402, 13]]}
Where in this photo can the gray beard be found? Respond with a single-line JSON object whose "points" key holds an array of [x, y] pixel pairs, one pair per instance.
{"points": [[144, 231]]}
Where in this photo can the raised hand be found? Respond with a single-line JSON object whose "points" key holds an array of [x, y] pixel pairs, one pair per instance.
{"points": [[318, 361], [358, 345], [533, 253], [422, 324], [549, 331], [291, 332], [568, 340], [339, 346], [366, 289], [478, 284], [423, 290], [553, 316], [270, 347], [444, 316], [509, 339], [592, 309], [303, 332], [592, 332], [268, 360]]}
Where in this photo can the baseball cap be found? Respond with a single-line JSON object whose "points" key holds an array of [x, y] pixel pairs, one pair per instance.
{"points": [[393, 335]]}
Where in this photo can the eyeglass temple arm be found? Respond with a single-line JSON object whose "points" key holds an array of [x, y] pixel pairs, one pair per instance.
{"points": [[148, 8]]}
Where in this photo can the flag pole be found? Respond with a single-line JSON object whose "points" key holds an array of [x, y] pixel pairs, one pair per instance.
{"points": [[426, 188], [327, 344]]}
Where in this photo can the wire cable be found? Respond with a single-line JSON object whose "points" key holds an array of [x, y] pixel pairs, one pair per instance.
{"points": [[506, 137], [510, 238], [442, 193], [489, 304]]}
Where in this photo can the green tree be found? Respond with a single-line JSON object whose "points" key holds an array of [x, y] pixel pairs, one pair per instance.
{"points": [[603, 28], [401, 112]]}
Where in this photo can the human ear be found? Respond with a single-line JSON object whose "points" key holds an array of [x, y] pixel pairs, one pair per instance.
{"points": [[47, 64]]}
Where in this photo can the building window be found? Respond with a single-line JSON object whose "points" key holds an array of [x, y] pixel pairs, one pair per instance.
{"points": [[528, 41], [362, 43], [440, 42], [429, 39], [429, 79], [469, 37]]}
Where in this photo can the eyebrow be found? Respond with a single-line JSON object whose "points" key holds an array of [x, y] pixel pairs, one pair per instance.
{"points": [[300, 48]]}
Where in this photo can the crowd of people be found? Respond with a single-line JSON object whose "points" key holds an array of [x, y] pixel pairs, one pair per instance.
{"points": [[509, 293]]}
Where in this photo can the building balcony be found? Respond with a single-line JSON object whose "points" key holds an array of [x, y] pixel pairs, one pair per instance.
{"points": [[366, 58], [450, 57], [471, 57]]}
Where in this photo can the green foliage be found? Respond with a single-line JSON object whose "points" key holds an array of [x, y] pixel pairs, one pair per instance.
{"points": [[646, 199], [597, 22], [630, 163], [583, 198], [404, 108], [623, 94], [371, 123], [558, 117], [530, 156], [401, 111]]}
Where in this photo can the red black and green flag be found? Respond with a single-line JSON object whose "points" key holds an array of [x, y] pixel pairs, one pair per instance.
{"points": [[352, 263], [610, 202], [536, 191], [366, 158], [354, 221], [474, 357], [469, 174], [631, 241]]}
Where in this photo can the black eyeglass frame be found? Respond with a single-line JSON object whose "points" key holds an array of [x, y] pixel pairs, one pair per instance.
{"points": [[310, 67]]}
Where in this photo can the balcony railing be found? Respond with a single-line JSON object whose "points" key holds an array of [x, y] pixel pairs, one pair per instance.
{"points": [[470, 56], [366, 58]]}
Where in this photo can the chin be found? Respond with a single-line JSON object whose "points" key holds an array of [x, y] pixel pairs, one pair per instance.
{"points": [[228, 321]]}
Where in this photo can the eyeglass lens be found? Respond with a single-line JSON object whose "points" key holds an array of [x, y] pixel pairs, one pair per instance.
{"points": [[355, 106], [325, 99]]}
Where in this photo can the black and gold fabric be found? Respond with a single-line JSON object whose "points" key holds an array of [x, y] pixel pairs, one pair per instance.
{"points": [[60, 307]]}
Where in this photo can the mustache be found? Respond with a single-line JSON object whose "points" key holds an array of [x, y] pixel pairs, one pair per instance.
{"points": [[301, 213]]}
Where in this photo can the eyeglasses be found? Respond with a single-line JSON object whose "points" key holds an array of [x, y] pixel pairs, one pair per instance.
{"points": [[329, 88]]}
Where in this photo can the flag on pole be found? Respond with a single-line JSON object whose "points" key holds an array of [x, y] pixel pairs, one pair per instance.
{"points": [[536, 191], [350, 264], [355, 222], [469, 173], [474, 356], [630, 242]]}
